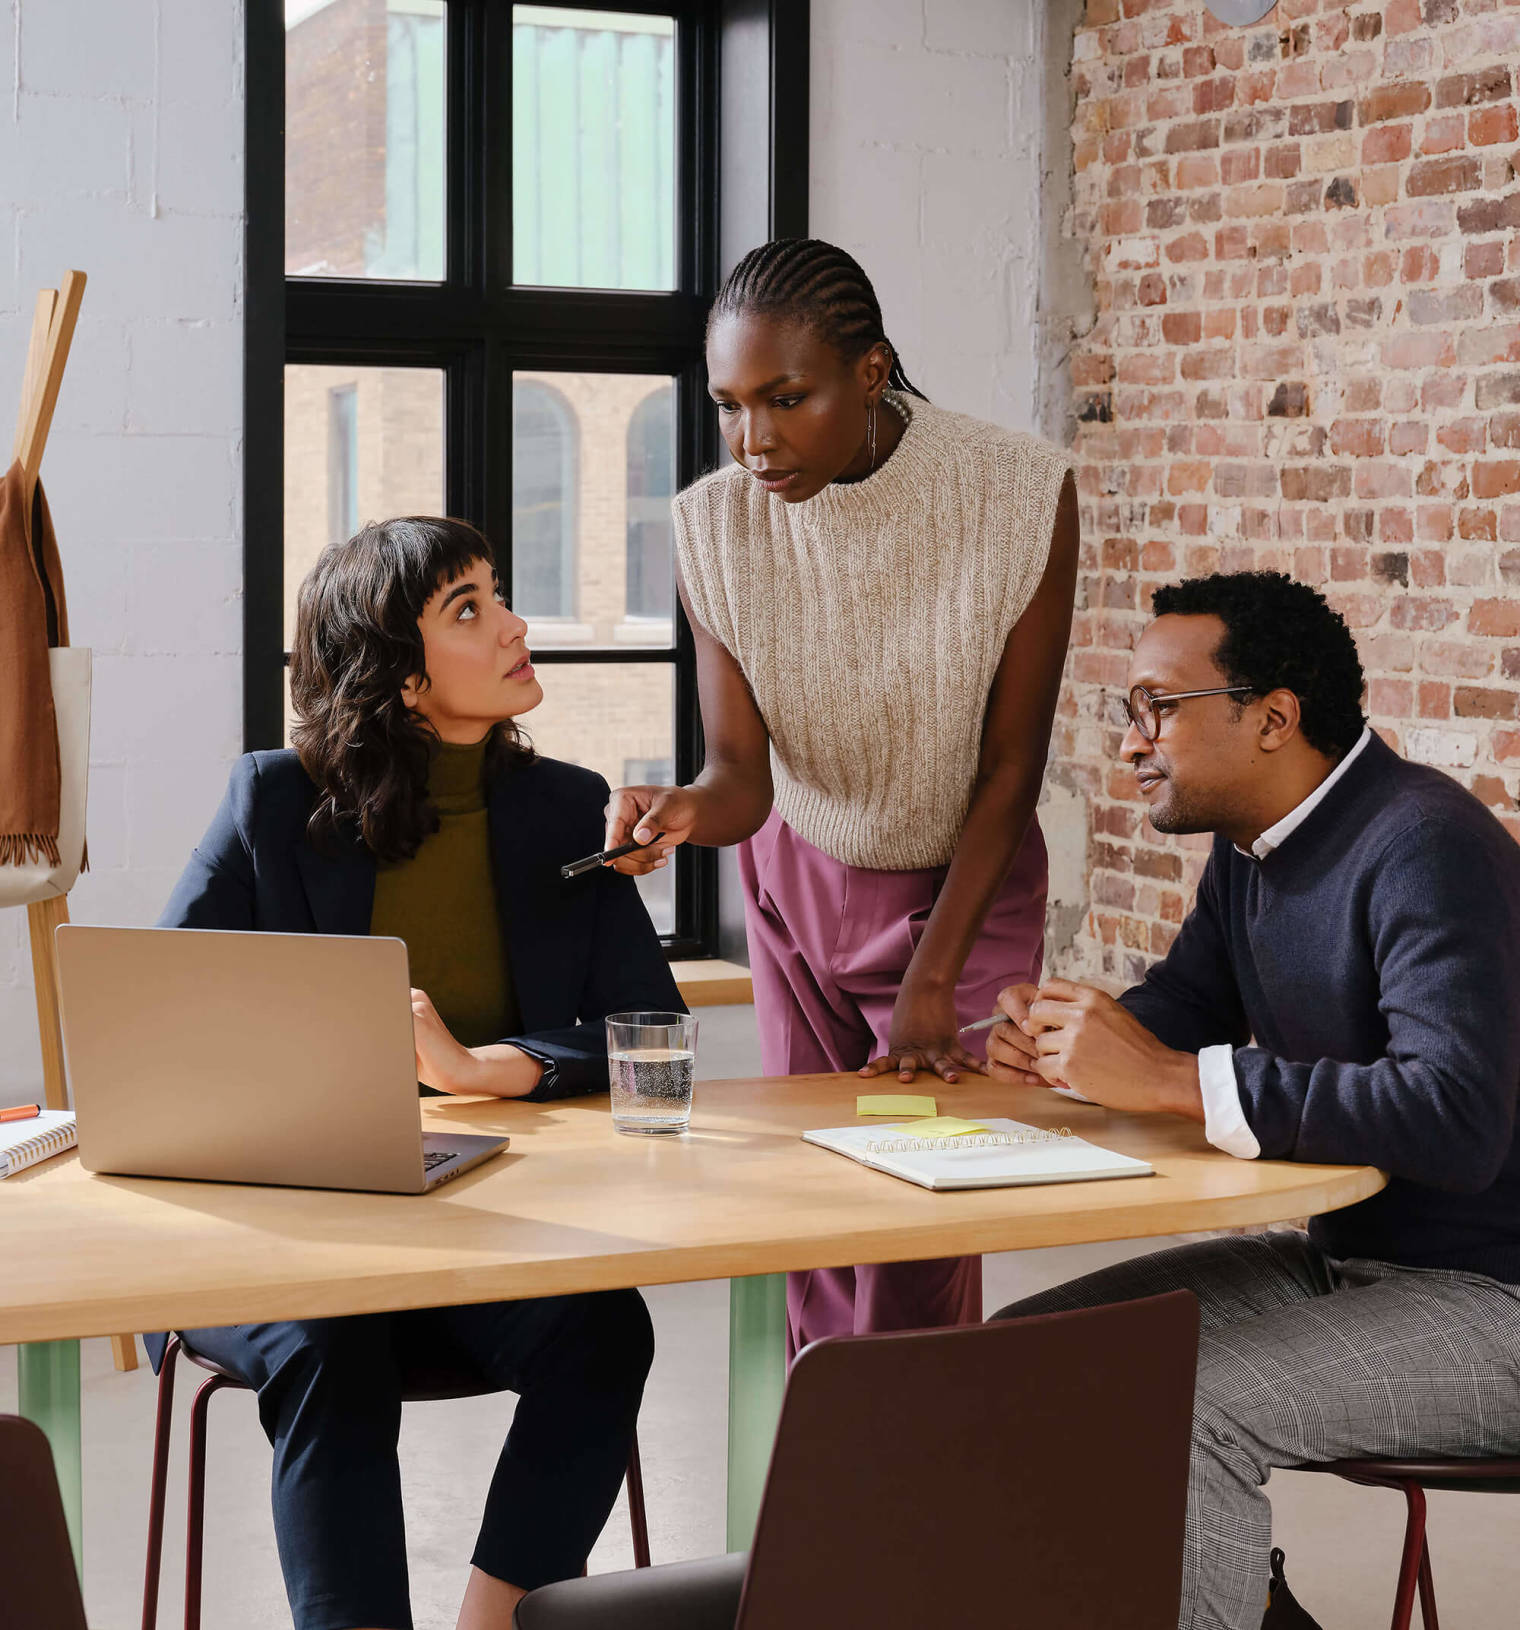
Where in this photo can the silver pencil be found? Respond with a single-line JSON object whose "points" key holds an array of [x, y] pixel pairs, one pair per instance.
{"points": [[984, 1024]]}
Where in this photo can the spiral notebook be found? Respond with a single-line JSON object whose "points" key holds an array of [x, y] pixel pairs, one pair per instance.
{"points": [[24, 1143], [987, 1154]]}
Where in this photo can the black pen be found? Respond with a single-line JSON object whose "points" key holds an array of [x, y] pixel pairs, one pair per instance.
{"points": [[591, 862]]}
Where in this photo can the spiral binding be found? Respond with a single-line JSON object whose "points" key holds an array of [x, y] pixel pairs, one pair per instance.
{"points": [[971, 1140], [41, 1146]]}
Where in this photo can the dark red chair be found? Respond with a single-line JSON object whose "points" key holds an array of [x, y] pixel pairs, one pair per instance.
{"points": [[1028, 1472], [1412, 1478], [422, 1387], [39, 1589]]}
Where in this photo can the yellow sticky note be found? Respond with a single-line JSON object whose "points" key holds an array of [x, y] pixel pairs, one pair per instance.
{"points": [[946, 1126], [894, 1103]]}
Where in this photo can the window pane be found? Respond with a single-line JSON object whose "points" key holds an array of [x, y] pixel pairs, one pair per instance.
{"points": [[617, 718], [361, 444], [651, 485], [544, 437], [593, 470], [593, 148], [364, 138]]}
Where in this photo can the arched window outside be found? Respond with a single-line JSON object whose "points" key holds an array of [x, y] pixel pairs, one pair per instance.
{"points": [[544, 465], [651, 485]]}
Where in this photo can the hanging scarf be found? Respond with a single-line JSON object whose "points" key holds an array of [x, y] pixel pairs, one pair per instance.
{"points": [[33, 617]]}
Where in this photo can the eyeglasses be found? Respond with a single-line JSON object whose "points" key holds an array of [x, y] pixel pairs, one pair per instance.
{"points": [[1140, 706]]}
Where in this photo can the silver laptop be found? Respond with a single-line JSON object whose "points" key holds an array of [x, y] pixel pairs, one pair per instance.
{"points": [[249, 1058]]}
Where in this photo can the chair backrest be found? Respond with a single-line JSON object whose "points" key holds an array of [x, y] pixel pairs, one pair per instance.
{"points": [[1029, 1472], [39, 1589]]}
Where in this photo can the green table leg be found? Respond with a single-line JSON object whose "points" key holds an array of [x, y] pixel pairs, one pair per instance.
{"points": [[47, 1375], [756, 1378]]}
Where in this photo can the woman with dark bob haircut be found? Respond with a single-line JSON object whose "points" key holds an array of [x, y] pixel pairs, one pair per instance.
{"points": [[412, 806]]}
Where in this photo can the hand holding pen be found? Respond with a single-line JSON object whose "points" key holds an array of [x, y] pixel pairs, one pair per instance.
{"points": [[644, 824], [1013, 1009], [1015, 1046]]}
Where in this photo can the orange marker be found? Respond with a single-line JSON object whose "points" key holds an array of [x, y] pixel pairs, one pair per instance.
{"points": [[22, 1112]]}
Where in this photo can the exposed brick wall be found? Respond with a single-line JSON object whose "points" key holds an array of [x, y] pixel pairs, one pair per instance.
{"points": [[1303, 243]]}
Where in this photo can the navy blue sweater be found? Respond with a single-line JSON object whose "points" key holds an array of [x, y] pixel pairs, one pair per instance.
{"points": [[1367, 975]]}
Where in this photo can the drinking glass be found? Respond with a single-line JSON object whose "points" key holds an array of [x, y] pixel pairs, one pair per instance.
{"points": [[650, 1060]]}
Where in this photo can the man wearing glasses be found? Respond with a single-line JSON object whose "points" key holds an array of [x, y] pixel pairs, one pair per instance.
{"points": [[1346, 989]]}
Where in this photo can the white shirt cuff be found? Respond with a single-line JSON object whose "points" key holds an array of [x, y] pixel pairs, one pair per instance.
{"points": [[1224, 1121]]}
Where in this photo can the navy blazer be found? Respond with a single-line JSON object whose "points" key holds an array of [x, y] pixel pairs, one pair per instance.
{"points": [[578, 949]]}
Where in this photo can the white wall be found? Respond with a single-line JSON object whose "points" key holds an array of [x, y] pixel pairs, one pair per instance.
{"points": [[121, 153], [926, 135]]}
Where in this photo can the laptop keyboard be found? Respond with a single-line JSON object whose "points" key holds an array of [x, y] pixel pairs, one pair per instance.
{"points": [[433, 1158]]}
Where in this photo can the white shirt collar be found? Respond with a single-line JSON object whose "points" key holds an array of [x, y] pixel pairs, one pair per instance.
{"points": [[1280, 831]]}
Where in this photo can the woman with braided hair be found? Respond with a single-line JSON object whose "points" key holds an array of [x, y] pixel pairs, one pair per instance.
{"points": [[881, 593]]}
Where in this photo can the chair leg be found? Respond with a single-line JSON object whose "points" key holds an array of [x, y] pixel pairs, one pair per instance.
{"points": [[161, 1429], [1414, 1551], [196, 1502], [636, 1516], [1427, 1588]]}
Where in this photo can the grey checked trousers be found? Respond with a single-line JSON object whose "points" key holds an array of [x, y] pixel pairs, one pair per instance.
{"points": [[1304, 1358]]}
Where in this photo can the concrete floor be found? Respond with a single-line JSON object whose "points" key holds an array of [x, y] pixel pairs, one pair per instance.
{"points": [[1342, 1543]]}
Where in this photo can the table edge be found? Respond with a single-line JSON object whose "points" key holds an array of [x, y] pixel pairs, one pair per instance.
{"points": [[1325, 1189]]}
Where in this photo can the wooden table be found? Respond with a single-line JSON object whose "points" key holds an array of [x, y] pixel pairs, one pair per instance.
{"points": [[574, 1207]]}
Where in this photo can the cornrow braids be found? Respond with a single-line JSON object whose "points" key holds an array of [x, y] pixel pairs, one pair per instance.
{"points": [[815, 283]]}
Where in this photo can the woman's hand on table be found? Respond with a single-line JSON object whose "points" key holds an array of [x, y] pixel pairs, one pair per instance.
{"points": [[923, 1037], [636, 814], [499, 1070]]}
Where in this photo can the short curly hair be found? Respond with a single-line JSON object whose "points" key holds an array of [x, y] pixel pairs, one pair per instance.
{"points": [[357, 643], [1281, 635]]}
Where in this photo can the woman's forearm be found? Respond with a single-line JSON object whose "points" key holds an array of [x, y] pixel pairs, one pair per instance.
{"points": [[500, 1071], [731, 805]]}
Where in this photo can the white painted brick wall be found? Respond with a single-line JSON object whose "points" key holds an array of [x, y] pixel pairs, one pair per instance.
{"points": [[927, 120], [121, 152]]}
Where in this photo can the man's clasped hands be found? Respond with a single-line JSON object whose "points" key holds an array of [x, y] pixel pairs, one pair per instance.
{"points": [[1061, 1033]]}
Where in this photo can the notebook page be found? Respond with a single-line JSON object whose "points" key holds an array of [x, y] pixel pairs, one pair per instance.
{"points": [[978, 1162]]}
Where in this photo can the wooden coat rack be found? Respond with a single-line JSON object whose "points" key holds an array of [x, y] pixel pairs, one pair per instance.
{"points": [[53, 322], [52, 333]]}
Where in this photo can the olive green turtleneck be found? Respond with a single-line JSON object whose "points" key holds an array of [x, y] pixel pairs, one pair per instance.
{"points": [[443, 903]]}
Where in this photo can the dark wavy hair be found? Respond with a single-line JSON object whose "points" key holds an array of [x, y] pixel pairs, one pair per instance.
{"points": [[1279, 634], [819, 285], [357, 642]]}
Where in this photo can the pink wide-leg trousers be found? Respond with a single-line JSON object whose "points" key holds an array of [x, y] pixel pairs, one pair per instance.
{"points": [[828, 947]]}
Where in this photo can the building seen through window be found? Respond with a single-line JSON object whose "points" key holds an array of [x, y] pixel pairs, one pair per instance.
{"points": [[477, 319], [364, 138], [593, 149], [543, 501], [651, 486], [342, 462]]}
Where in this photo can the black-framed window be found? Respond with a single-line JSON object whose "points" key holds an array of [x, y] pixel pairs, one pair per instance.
{"points": [[481, 242]]}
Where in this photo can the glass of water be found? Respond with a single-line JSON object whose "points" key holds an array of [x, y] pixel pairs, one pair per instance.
{"points": [[650, 1058]]}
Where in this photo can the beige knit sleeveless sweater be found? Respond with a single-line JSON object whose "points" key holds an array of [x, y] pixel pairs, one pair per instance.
{"points": [[869, 623]]}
